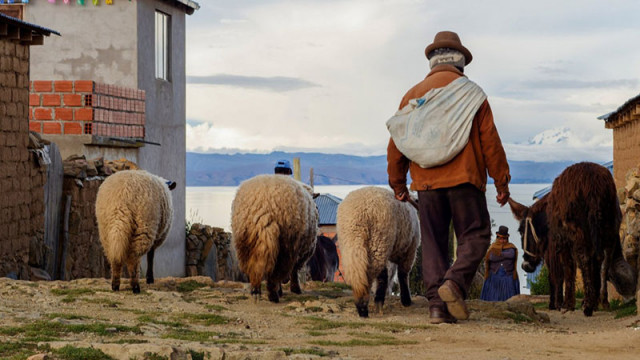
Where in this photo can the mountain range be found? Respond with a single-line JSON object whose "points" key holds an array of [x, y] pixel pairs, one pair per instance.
{"points": [[330, 169]]}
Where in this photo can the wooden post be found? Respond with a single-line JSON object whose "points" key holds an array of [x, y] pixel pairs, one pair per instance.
{"points": [[296, 169], [311, 177]]}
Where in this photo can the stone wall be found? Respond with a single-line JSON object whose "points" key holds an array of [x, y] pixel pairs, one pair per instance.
{"points": [[82, 254], [629, 197], [209, 253], [21, 178]]}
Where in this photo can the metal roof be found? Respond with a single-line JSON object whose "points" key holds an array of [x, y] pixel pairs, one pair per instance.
{"points": [[606, 117], [191, 5], [23, 24], [542, 192], [327, 208]]}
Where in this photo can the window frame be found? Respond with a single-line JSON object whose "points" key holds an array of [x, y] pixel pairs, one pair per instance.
{"points": [[162, 45]]}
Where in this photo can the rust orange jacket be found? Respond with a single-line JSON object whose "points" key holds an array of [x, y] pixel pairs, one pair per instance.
{"points": [[483, 153]]}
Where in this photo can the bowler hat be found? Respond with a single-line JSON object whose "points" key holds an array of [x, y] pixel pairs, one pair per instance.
{"points": [[448, 39], [503, 231]]}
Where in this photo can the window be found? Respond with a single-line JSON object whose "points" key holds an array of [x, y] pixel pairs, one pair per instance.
{"points": [[163, 27]]}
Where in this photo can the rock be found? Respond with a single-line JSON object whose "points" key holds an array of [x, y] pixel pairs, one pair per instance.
{"points": [[39, 275], [39, 357]]}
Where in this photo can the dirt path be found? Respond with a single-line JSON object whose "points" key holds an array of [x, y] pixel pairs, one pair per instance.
{"points": [[195, 318]]}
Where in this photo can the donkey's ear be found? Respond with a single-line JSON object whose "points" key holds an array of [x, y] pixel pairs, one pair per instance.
{"points": [[518, 210]]}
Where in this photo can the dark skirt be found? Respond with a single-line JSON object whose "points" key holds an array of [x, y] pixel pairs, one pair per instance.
{"points": [[500, 286]]}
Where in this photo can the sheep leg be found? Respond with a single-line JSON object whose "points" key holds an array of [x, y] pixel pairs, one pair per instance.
{"points": [[295, 282], [116, 271], [134, 272], [405, 293], [280, 293], [272, 289], [150, 254], [255, 281], [381, 291]]}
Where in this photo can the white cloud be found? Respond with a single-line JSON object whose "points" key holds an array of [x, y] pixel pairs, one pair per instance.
{"points": [[544, 67]]}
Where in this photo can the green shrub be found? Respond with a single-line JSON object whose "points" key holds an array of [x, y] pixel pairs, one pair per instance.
{"points": [[541, 285]]}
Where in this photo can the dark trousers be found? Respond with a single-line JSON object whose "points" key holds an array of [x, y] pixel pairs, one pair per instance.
{"points": [[466, 206]]}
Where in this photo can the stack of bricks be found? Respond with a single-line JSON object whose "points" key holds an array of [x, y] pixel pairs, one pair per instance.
{"points": [[85, 107], [21, 180]]}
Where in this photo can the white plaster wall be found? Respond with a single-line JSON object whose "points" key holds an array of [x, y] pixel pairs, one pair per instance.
{"points": [[98, 42]]}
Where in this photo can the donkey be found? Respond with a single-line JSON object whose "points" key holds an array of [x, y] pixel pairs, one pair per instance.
{"points": [[577, 223]]}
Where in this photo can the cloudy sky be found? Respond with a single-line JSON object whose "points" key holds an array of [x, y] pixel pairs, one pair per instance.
{"points": [[325, 75]]}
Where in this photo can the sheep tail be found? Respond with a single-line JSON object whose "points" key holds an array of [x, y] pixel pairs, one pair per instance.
{"points": [[355, 260], [266, 247], [117, 241]]}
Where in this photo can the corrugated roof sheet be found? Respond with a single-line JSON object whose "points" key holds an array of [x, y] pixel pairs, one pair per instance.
{"points": [[33, 27], [192, 5], [542, 192], [327, 208], [606, 117]]}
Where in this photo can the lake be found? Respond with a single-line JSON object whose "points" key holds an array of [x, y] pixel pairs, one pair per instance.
{"points": [[211, 205]]}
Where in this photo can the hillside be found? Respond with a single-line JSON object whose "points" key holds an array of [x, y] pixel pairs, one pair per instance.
{"points": [[329, 169]]}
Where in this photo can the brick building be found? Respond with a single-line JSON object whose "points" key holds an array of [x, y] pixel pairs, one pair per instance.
{"points": [[22, 176], [114, 86], [625, 122]]}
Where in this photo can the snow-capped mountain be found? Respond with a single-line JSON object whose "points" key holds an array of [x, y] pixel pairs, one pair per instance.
{"points": [[552, 136]]}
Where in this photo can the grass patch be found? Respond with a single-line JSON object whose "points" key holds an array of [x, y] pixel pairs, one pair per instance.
{"points": [[397, 327], [196, 355], [207, 319], [623, 310], [313, 309], [311, 351], [103, 301], [74, 353], [363, 342], [72, 292], [154, 356], [519, 318], [215, 307], [316, 333], [146, 319], [50, 331], [541, 306], [209, 337], [366, 335], [127, 341], [316, 323], [240, 297], [17, 350], [189, 286], [67, 316]]}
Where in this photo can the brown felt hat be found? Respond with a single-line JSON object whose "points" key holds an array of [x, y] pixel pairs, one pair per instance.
{"points": [[449, 39], [503, 231]]}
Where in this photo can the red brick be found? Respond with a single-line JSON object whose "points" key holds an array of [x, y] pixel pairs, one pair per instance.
{"points": [[35, 126], [83, 114], [43, 114], [50, 100], [34, 100], [83, 86], [63, 86], [73, 128], [51, 128], [64, 114], [72, 100], [42, 86]]}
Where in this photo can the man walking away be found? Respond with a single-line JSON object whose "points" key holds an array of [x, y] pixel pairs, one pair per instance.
{"points": [[445, 136]]}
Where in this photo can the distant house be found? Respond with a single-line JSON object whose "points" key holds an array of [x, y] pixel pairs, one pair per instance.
{"points": [[542, 192], [22, 171], [327, 210], [625, 122], [114, 85]]}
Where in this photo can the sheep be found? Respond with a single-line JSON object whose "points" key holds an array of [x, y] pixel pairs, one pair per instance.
{"points": [[134, 212], [274, 222], [373, 228]]}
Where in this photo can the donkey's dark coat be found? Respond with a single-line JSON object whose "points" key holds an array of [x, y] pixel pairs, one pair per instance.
{"points": [[577, 223]]}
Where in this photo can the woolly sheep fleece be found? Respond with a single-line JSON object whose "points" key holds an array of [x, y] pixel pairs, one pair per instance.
{"points": [[373, 228], [134, 212], [274, 222]]}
